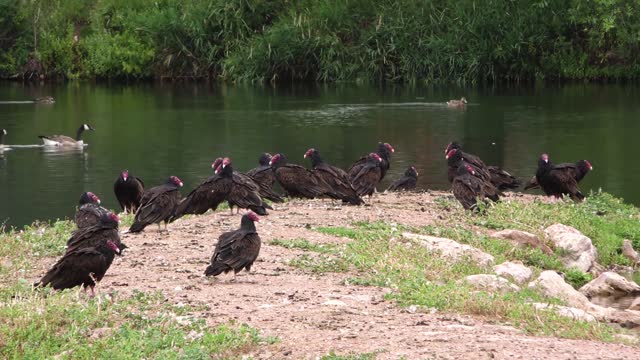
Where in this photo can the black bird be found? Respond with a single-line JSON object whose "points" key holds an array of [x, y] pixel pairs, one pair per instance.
{"points": [[384, 150], [89, 210], [157, 205], [468, 188], [407, 182], [578, 170], [244, 192], [498, 177], [236, 250], [556, 182], [263, 174], [299, 181], [105, 228], [367, 179], [63, 140], [128, 190], [89, 255], [335, 177]]}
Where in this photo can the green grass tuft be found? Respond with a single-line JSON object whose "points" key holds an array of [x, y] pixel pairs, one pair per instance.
{"points": [[304, 244]]}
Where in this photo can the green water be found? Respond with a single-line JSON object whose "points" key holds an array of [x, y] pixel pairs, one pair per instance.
{"points": [[159, 130]]}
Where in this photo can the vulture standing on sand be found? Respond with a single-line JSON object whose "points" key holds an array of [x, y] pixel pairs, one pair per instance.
{"points": [[236, 250], [299, 181], [207, 195], [468, 188], [556, 182], [157, 205], [578, 170], [89, 255], [263, 174], [63, 140], [335, 177], [368, 177], [244, 192], [89, 210], [498, 177], [384, 151], [407, 182], [128, 190]]}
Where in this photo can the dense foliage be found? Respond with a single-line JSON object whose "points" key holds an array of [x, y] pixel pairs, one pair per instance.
{"points": [[321, 40]]}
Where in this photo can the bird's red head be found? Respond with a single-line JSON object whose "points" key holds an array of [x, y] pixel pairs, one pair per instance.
{"points": [[216, 163], [225, 162], [375, 156], [452, 145], [545, 158], [124, 175], [588, 164], [389, 147], [451, 153], [309, 153], [94, 197], [175, 180], [218, 169], [251, 215], [113, 246], [114, 217], [274, 159]]}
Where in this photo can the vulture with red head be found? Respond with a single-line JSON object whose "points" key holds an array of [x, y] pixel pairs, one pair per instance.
{"points": [[335, 177], [468, 188], [263, 174], [384, 151], [244, 192], [236, 250], [89, 210], [556, 182], [577, 170], [369, 176], [407, 182], [299, 181], [157, 205], [128, 190], [498, 177]]}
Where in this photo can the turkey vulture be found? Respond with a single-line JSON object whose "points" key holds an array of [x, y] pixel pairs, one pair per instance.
{"points": [[299, 181], [406, 182], [157, 205], [264, 190], [578, 170], [468, 188], [556, 182], [128, 190], [236, 250], [498, 177], [384, 151], [63, 140], [263, 174], [335, 177], [208, 194], [89, 254], [89, 210], [367, 179], [244, 192]]}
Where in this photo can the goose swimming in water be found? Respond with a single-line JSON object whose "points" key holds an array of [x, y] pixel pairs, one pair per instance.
{"points": [[457, 103], [44, 100], [3, 132], [63, 140]]}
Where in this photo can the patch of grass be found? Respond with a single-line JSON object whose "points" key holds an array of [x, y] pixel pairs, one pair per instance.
{"points": [[42, 324], [577, 278], [365, 356], [304, 244], [321, 263], [126, 220]]}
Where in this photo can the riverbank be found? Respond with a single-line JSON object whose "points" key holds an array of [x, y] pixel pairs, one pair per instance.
{"points": [[329, 280], [407, 41]]}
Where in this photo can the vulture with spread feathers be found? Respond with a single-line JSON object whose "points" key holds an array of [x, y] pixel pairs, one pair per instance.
{"points": [[497, 176], [157, 204], [577, 170], [556, 182], [236, 250], [335, 177]]}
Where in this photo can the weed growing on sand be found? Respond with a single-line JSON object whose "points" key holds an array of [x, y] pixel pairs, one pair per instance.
{"points": [[304, 244]]}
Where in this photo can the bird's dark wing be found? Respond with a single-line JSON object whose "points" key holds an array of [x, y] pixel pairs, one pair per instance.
{"points": [[301, 182], [355, 168], [263, 175], [502, 179], [77, 268], [158, 207], [88, 215], [464, 191], [404, 183], [532, 184], [367, 179], [208, 195]]}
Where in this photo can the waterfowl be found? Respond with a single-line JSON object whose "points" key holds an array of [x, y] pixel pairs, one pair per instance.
{"points": [[44, 100], [457, 103], [63, 140], [3, 132]]}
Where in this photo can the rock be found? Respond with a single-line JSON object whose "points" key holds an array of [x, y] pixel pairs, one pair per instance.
{"points": [[577, 250], [635, 305], [451, 249], [514, 271], [566, 311], [612, 290], [523, 239], [552, 285], [491, 283]]}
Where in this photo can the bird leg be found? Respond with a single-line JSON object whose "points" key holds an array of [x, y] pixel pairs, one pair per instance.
{"points": [[93, 293], [165, 227], [159, 228]]}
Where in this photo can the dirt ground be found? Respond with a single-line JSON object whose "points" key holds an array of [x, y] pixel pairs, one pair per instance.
{"points": [[312, 314]]}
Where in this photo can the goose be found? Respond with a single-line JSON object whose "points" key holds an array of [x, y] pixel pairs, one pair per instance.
{"points": [[457, 103], [63, 140], [3, 132], [44, 100]]}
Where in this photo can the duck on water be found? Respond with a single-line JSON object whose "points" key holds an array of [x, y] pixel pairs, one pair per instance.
{"points": [[63, 140]]}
